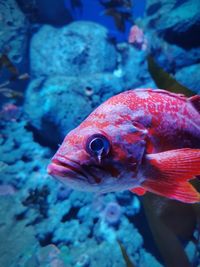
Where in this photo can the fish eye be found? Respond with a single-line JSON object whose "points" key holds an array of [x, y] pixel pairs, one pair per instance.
{"points": [[98, 145]]}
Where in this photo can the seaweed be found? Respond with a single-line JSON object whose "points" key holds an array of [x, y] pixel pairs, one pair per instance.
{"points": [[9, 93], [120, 18], [120, 10], [6, 62], [196, 208], [172, 222], [168, 244], [164, 80], [125, 255], [116, 3]]}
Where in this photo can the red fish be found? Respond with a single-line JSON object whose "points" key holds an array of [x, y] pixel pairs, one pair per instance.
{"points": [[140, 140]]}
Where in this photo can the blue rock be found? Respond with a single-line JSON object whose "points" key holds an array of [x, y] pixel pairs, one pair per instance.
{"points": [[190, 77], [175, 20], [79, 48], [170, 56], [172, 29], [133, 67], [14, 29]]}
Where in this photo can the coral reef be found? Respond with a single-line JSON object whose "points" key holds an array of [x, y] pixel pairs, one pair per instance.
{"points": [[57, 227], [14, 246], [112, 213], [58, 224]]}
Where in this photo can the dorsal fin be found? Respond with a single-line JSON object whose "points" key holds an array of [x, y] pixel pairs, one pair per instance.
{"points": [[195, 100]]}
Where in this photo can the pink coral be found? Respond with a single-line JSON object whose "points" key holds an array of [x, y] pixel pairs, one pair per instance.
{"points": [[137, 37], [112, 213], [10, 112]]}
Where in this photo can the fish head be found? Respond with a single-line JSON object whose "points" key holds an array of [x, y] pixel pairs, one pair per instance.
{"points": [[102, 154]]}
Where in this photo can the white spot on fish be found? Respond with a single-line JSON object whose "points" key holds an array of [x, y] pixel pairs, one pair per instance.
{"points": [[142, 94]]}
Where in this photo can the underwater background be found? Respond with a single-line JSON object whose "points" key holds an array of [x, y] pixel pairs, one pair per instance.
{"points": [[59, 59]]}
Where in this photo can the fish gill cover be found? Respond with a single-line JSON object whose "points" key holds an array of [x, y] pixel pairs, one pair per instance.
{"points": [[58, 61]]}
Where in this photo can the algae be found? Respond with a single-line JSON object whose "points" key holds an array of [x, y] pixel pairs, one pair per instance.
{"points": [[164, 80]]}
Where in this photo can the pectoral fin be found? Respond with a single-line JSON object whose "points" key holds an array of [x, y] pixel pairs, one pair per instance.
{"points": [[182, 191], [170, 171], [138, 191], [195, 100], [180, 164]]}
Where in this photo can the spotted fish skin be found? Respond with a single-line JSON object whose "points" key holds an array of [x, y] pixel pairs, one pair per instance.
{"points": [[139, 126], [171, 119]]}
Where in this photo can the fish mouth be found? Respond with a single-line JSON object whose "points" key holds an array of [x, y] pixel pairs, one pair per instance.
{"points": [[61, 166]]}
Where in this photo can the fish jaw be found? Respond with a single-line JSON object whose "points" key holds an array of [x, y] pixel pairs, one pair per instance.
{"points": [[69, 173], [63, 167], [83, 178]]}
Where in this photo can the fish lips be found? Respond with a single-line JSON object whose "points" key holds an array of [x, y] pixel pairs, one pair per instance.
{"points": [[63, 167], [57, 170]]}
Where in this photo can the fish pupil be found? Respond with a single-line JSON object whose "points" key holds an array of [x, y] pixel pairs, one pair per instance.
{"points": [[97, 144]]}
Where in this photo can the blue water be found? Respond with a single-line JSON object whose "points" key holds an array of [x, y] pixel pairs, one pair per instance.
{"points": [[59, 60], [94, 11]]}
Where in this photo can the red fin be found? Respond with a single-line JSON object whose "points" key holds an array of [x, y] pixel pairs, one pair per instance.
{"points": [[170, 172], [195, 100], [180, 164], [139, 191], [182, 191]]}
